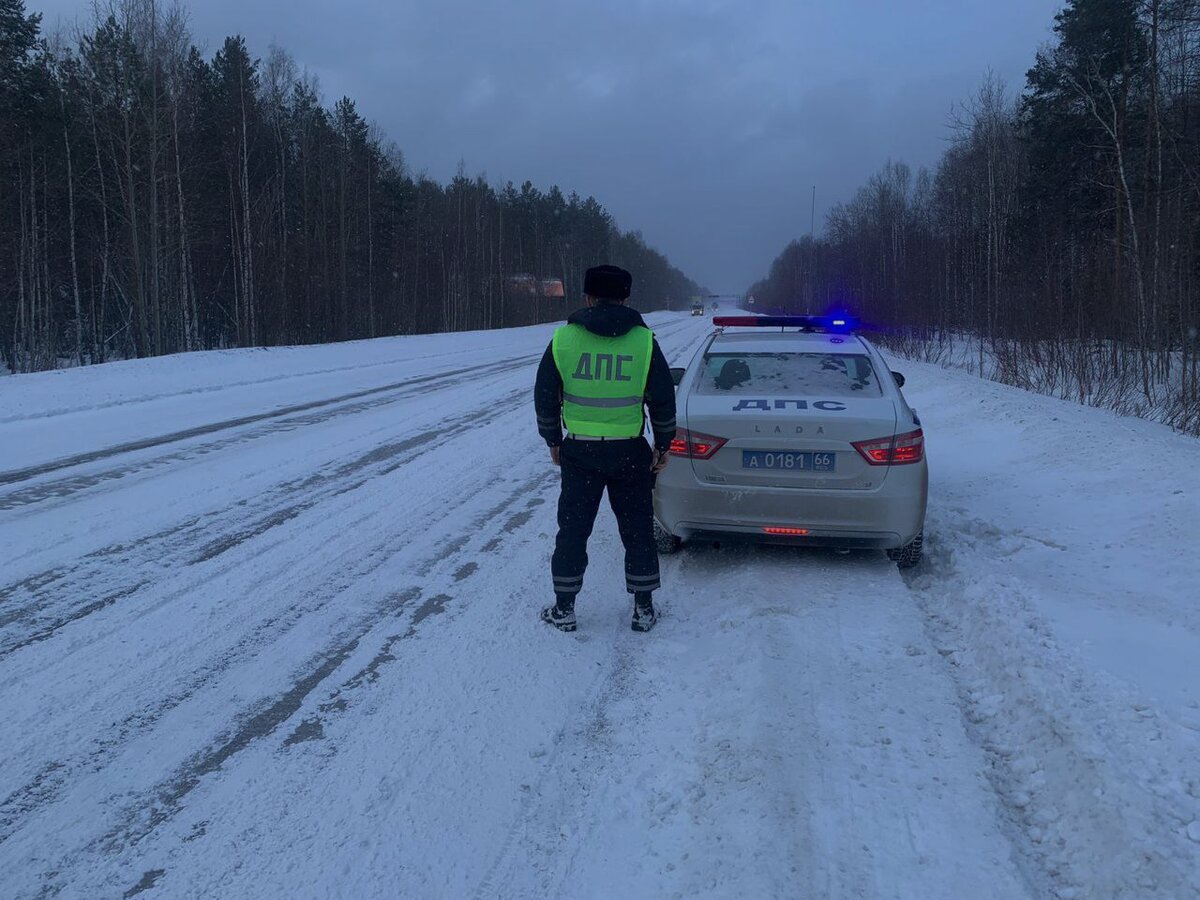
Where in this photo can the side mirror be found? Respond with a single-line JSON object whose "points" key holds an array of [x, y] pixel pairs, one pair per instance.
{"points": [[899, 379], [677, 375]]}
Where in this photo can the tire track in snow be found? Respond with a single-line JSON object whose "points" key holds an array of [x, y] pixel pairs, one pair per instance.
{"points": [[177, 546], [1095, 801], [223, 386], [402, 388], [38, 790], [532, 490], [141, 818], [43, 788], [58, 774]]}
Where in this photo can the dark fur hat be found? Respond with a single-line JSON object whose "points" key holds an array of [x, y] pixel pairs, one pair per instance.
{"points": [[607, 283]]}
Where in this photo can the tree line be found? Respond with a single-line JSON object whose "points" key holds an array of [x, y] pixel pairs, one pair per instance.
{"points": [[153, 200], [1060, 229]]}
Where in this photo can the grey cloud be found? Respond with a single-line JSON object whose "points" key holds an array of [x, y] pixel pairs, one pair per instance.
{"points": [[703, 123]]}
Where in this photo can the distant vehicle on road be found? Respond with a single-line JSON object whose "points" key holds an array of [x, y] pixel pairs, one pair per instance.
{"points": [[798, 435], [697, 309]]}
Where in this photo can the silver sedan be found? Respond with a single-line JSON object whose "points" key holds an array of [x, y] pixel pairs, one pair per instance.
{"points": [[794, 430]]}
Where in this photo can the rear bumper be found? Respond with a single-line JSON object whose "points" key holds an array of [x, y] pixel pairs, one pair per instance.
{"points": [[728, 534], [883, 519]]}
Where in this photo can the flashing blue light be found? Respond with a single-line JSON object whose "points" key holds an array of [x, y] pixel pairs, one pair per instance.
{"points": [[844, 324]]}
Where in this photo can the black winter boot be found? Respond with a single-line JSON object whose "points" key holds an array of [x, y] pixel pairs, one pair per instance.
{"points": [[644, 615], [561, 615]]}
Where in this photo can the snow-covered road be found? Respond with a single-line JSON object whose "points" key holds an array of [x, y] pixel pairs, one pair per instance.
{"points": [[268, 629]]}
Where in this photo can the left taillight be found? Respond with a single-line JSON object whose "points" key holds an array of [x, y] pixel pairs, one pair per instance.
{"points": [[695, 444], [901, 450]]}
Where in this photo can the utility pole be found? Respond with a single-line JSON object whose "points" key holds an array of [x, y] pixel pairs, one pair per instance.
{"points": [[812, 226]]}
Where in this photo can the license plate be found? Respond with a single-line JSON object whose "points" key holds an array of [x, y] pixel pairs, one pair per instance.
{"points": [[789, 461]]}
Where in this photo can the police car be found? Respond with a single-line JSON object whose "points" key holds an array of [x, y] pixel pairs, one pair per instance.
{"points": [[792, 429]]}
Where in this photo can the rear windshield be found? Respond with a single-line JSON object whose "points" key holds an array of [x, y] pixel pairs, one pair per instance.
{"points": [[827, 374]]}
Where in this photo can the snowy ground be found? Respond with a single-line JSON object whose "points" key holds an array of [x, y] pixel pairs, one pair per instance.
{"points": [[267, 629], [1097, 373]]}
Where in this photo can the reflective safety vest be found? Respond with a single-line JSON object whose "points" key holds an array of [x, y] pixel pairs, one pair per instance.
{"points": [[604, 380]]}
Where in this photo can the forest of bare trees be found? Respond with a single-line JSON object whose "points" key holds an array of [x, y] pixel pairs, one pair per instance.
{"points": [[153, 201], [1060, 233]]}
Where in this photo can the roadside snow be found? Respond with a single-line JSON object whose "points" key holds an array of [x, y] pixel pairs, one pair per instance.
{"points": [[1061, 587]]}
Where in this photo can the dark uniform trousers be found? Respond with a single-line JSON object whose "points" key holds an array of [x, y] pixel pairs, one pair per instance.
{"points": [[588, 468]]}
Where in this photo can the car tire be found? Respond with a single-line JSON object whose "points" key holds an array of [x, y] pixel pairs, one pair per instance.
{"points": [[664, 541], [909, 555]]}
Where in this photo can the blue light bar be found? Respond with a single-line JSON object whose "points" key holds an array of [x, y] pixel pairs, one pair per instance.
{"points": [[840, 324]]}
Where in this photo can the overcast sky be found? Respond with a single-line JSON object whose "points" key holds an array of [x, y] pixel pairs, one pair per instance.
{"points": [[703, 123]]}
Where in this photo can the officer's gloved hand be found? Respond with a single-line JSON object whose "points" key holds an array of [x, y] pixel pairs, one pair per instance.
{"points": [[554, 455], [659, 463]]}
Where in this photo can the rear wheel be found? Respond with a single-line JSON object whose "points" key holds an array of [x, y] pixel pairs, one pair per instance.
{"points": [[664, 540], [910, 554]]}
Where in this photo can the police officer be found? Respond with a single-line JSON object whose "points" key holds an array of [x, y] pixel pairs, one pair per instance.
{"points": [[600, 370]]}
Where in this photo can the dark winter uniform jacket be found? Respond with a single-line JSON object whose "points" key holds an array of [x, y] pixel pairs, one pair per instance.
{"points": [[607, 320]]}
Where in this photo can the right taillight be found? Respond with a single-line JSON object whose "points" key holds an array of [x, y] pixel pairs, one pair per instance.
{"points": [[900, 450], [695, 444]]}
